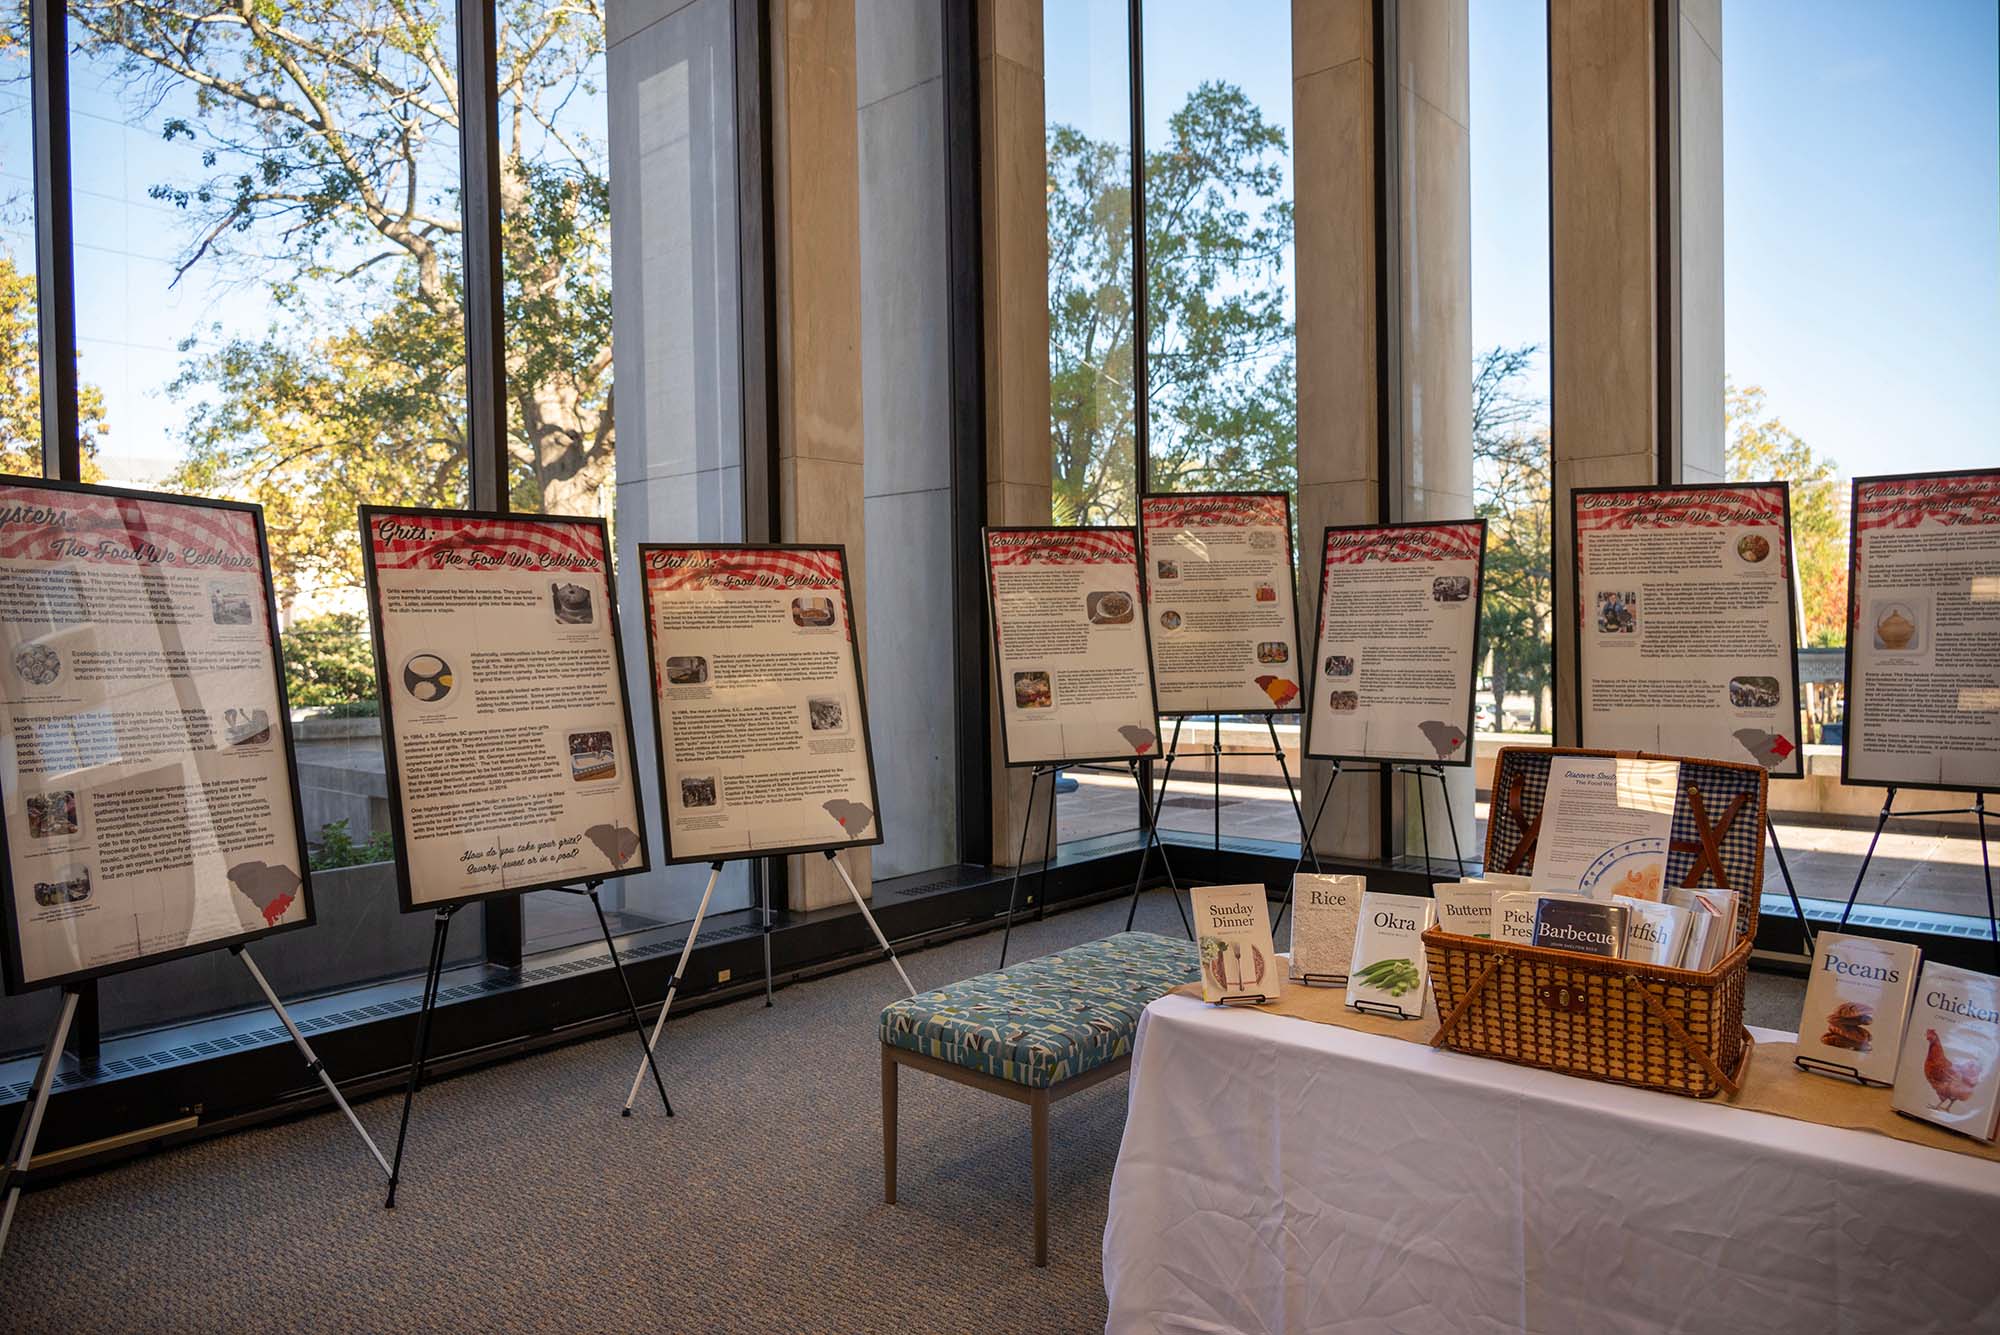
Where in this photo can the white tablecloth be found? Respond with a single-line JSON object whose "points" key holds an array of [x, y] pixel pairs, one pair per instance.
{"points": [[1278, 1175]]}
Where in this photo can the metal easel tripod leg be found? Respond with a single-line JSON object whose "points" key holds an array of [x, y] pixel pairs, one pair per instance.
{"points": [[873, 926], [1152, 805], [314, 1066], [433, 974], [1888, 801], [30, 1126], [1021, 856], [653, 1041], [1310, 834], [1785, 871]]}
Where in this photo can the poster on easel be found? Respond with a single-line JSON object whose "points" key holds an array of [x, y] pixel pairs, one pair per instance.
{"points": [[1395, 650], [759, 716], [1222, 602], [506, 727], [1071, 645], [151, 796], [1923, 632], [1686, 623]]}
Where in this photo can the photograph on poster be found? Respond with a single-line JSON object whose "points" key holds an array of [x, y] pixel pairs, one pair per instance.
{"points": [[1688, 635], [1923, 620], [760, 722], [506, 726], [1070, 649], [1222, 569], [1396, 642], [152, 803]]}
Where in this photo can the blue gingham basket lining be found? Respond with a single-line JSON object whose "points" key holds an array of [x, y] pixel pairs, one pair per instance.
{"points": [[1741, 850]]}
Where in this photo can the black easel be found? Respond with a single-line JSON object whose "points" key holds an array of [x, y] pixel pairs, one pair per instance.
{"points": [[421, 1052], [1159, 801], [1423, 772], [625, 984], [1783, 870], [1306, 848], [1976, 810]]}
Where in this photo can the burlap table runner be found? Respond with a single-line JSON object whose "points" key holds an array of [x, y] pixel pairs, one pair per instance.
{"points": [[1772, 1084]]}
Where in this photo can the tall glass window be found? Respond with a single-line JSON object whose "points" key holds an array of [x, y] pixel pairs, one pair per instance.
{"points": [[1861, 167], [269, 307], [1508, 51], [1088, 76], [20, 384]]}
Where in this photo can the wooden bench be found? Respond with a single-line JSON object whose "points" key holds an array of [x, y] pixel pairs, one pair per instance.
{"points": [[1035, 1032]]}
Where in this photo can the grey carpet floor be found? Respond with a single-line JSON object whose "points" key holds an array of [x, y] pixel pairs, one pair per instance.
{"points": [[529, 1205]]}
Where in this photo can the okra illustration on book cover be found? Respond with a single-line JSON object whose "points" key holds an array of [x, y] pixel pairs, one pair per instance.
{"points": [[1233, 925]]}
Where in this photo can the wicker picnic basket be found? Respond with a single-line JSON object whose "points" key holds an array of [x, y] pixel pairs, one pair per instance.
{"points": [[1676, 1030]]}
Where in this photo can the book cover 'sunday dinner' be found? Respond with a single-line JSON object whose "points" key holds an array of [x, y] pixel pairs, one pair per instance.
{"points": [[1233, 927], [1325, 911]]}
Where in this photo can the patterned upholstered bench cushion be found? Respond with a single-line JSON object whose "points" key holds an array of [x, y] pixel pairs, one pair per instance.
{"points": [[1043, 1021]]}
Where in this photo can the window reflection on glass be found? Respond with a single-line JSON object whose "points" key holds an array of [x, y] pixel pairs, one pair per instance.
{"points": [[1861, 297], [270, 308]]}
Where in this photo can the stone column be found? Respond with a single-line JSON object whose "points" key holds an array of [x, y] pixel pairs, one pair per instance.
{"points": [[1434, 196], [1700, 213], [1014, 247], [1333, 110], [1604, 357], [817, 245]]}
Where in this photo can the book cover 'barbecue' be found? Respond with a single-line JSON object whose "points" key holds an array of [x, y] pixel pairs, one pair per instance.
{"points": [[1232, 923]]}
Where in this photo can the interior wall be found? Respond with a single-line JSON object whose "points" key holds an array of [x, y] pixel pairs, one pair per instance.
{"points": [[906, 402], [676, 323]]}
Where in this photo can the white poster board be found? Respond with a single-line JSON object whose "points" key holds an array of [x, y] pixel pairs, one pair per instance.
{"points": [[1686, 629], [1396, 646], [506, 728], [1923, 632], [1221, 563], [758, 711], [151, 799], [1070, 645]]}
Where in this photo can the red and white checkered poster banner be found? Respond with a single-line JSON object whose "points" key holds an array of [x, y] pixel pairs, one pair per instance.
{"points": [[470, 542], [1399, 543], [1216, 511], [37, 524]]}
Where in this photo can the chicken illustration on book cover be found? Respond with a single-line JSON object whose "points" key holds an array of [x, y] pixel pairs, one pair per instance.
{"points": [[1856, 1002], [1949, 1072], [1233, 926]]}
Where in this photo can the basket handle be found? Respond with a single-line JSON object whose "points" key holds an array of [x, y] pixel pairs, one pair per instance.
{"points": [[1446, 1025], [1694, 1049]]}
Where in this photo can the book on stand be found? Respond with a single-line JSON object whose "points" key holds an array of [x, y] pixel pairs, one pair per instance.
{"points": [[1857, 1004], [1325, 912], [1949, 1068], [1388, 970], [1232, 925]]}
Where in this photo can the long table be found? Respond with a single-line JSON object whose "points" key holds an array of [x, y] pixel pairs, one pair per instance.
{"points": [[1278, 1175]]}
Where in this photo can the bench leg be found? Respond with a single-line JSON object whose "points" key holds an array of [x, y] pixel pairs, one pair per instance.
{"points": [[1039, 1112], [888, 1126]]}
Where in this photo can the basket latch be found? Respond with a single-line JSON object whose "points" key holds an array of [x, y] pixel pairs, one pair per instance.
{"points": [[1563, 997]]}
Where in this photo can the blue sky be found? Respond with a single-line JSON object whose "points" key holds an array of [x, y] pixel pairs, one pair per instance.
{"points": [[1862, 193]]}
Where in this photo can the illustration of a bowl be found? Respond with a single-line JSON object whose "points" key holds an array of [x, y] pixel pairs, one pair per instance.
{"points": [[1895, 627], [1753, 548]]}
